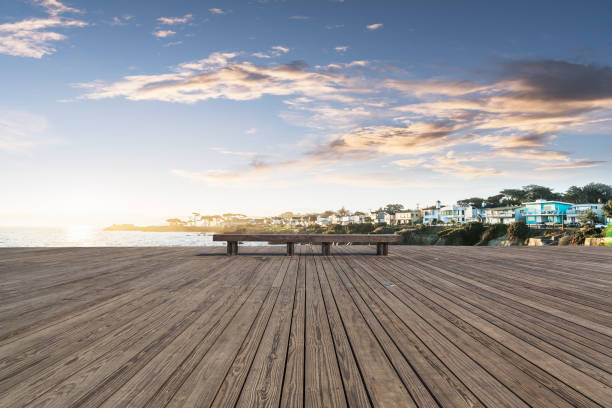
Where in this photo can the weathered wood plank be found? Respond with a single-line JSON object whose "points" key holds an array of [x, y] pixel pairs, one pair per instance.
{"points": [[426, 327]]}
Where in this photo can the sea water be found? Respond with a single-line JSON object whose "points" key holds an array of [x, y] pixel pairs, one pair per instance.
{"points": [[85, 236]]}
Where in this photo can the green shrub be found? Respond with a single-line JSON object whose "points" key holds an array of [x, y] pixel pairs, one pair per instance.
{"points": [[518, 230], [360, 228], [466, 234]]}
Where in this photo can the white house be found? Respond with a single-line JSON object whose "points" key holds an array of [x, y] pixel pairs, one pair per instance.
{"points": [[573, 213], [406, 217], [474, 214], [451, 214], [505, 215]]}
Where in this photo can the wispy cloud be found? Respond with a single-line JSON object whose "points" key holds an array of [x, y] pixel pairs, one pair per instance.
{"points": [[275, 51], [455, 128], [175, 20], [55, 7], [120, 21], [341, 48], [299, 18], [574, 165], [31, 37], [217, 11], [21, 130], [173, 44], [222, 76], [281, 49], [373, 27], [164, 33], [250, 131]]}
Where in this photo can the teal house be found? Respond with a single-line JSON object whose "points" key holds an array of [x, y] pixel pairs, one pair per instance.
{"points": [[543, 212]]}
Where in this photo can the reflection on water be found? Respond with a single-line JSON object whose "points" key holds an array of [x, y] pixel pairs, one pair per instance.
{"points": [[84, 235]]}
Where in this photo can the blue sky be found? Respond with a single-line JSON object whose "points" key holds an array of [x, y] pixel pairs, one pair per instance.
{"points": [[137, 111]]}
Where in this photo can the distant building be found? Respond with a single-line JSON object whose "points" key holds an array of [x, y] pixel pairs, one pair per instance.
{"points": [[504, 215], [474, 214], [452, 214], [573, 213], [431, 215], [406, 217], [544, 212]]}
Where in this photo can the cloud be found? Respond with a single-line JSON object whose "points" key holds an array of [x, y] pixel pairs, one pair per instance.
{"points": [[334, 26], [21, 130], [341, 49], [275, 51], [499, 123], [55, 7], [250, 131], [163, 33], [175, 20], [299, 18], [120, 21], [452, 165], [573, 165], [222, 76], [373, 27], [31, 37], [281, 49], [223, 150], [173, 43], [217, 11]]}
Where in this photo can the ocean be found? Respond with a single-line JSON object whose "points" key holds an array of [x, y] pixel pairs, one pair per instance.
{"points": [[84, 236]]}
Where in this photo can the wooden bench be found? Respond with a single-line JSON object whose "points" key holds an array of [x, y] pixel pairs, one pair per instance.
{"points": [[381, 240]]}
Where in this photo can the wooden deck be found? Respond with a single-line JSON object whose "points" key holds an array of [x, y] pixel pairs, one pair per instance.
{"points": [[191, 327]]}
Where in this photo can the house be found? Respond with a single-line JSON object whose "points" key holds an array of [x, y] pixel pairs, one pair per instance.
{"points": [[544, 212], [474, 214], [573, 213], [431, 215], [324, 221], [381, 217], [452, 214], [504, 215], [406, 217]]}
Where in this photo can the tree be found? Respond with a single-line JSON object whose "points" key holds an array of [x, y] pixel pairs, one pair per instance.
{"points": [[393, 208], [343, 212], [494, 201], [474, 201], [513, 196], [607, 209], [597, 192], [575, 195], [534, 192], [589, 217], [326, 214], [175, 221]]}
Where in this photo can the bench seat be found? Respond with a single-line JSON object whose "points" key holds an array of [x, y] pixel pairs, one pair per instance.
{"points": [[381, 240]]}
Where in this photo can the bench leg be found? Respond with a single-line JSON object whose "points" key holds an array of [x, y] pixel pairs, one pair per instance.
{"points": [[290, 248], [385, 248], [325, 248], [379, 248], [232, 248]]}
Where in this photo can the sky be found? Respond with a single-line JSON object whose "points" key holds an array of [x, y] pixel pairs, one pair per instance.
{"points": [[134, 112]]}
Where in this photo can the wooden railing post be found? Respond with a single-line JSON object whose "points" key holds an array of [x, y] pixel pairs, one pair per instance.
{"points": [[290, 248]]}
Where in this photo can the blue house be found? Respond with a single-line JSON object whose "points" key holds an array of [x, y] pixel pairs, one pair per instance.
{"points": [[543, 212]]}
